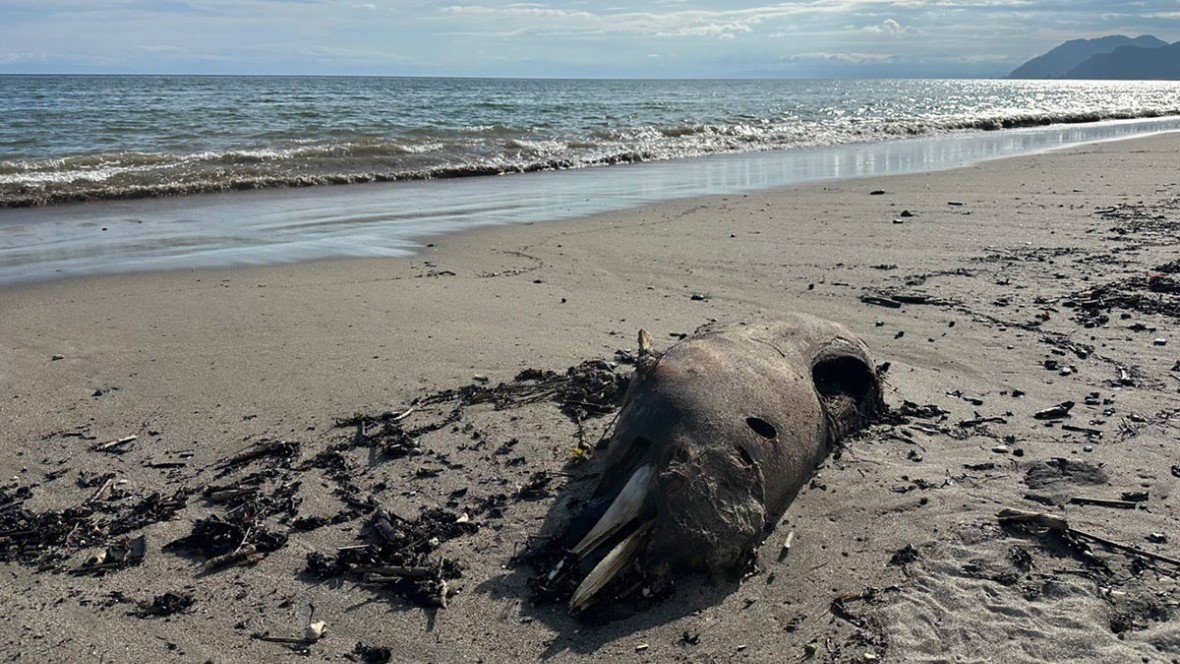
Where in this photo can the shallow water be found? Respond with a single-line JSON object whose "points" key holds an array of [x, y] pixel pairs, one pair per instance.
{"points": [[395, 219]]}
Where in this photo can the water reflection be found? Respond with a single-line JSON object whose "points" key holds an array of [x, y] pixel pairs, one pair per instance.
{"points": [[394, 219]]}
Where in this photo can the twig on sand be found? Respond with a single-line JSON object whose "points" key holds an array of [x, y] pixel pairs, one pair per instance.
{"points": [[231, 558], [1104, 502], [1052, 522], [101, 490], [257, 450], [112, 444]]}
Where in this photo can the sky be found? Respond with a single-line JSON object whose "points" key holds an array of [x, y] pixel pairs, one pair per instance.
{"points": [[560, 38]]}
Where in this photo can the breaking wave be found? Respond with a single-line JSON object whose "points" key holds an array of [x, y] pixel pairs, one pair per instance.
{"points": [[512, 134]]}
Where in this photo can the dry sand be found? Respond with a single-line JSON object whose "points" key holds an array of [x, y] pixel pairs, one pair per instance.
{"points": [[897, 555]]}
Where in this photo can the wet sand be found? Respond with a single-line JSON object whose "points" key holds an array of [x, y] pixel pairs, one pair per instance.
{"points": [[897, 553]]}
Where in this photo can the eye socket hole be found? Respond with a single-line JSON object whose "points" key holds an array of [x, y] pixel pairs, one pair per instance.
{"points": [[746, 458], [762, 427], [843, 375]]}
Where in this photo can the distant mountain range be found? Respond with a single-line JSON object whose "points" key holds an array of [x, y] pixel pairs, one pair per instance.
{"points": [[1111, 57]]}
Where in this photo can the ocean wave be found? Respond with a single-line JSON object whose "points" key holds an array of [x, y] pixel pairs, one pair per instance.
{"points": [[480, 150]]}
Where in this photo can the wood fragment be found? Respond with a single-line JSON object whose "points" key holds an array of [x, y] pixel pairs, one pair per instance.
{"points": [[974, 422], [231, 558], [1051, 522], [112, 444], [216, 494], [387, 573], [1039, 519], [1104, 502], [101, 490], [916, 299], [1086, 430], [287, 640], [1054, 412], [253, 452], [875, 300]]}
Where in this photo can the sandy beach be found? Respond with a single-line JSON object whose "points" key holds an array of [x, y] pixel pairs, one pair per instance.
{"points": [[993, 292]]}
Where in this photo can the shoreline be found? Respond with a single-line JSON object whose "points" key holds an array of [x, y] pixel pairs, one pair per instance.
{"points": [[208, 362], [396, 219]]}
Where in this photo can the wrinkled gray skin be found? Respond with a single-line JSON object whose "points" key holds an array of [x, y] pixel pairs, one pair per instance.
{"points": [[734, 421]]}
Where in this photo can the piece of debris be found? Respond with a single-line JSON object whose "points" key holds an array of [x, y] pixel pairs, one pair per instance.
{"points": [[1049, 522], [165, 605], [372, 654], [786, 549], [110, 446], [1103, 502], [285, 450], [978, 420], [315, 631], [246, 554], [1055, 412], [904, 556], [880, 301], [399, 556]]}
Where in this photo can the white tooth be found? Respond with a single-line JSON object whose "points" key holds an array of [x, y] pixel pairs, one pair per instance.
{"points": [[622, 511], [614, 562]]}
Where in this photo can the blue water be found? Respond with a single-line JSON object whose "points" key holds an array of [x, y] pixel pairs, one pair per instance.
{"points": [[77, 138], [116, 171]]}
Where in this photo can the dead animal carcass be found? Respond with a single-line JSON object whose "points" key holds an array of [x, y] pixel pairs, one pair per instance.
{"points": [[715, 438]]}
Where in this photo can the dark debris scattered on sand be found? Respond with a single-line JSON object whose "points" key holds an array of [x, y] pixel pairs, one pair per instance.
{"points": [[254, 500], [251, 502]]}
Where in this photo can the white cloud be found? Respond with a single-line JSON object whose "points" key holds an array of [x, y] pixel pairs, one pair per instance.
{"points": [[893, 29]]}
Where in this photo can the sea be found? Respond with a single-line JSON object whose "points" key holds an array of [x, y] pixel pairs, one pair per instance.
{"points": [[109, 174]]}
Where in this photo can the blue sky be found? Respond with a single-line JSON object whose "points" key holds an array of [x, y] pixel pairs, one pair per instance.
{"points": [[559, 38]]}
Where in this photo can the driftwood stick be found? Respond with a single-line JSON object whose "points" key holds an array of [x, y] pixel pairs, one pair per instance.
{"points": [[252, 452], [286, 640], [231, 558], [1104, 502], [390, 573], [103, 447], [1129, 549], [101, 490], [1052, 522], [226, 493], [1039, 519]]}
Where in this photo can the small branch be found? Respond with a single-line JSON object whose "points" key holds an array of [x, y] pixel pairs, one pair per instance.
{"points": [[101, 490], [111, 445], [1051, 522], [1104, 502], [231, 558]]}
